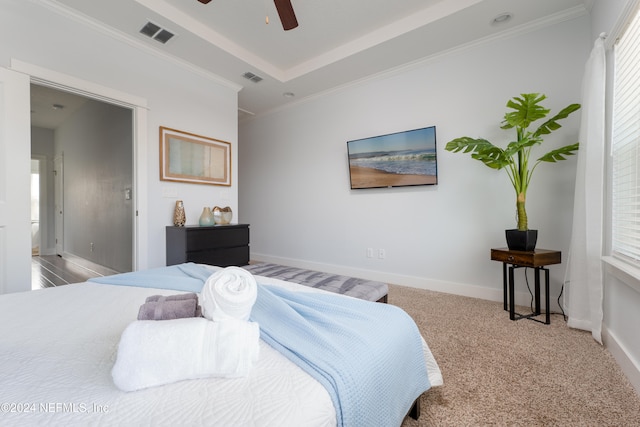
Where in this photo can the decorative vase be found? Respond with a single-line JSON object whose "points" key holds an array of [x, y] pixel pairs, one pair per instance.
{"points": [[222, 215], [521, 240], [179, 217], [206, 219]]}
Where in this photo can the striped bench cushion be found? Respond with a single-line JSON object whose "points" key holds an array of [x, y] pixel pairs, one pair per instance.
{"points": [[359, 288]]}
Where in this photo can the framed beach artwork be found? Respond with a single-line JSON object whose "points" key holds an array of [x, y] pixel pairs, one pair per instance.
{"points": [[186, 157], [399, 159]]}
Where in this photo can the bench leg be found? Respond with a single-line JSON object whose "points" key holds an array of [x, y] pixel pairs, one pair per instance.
{"points": [[414, 412]]}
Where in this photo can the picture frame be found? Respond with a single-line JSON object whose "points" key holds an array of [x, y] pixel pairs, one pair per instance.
{"points": [[196, 159]]}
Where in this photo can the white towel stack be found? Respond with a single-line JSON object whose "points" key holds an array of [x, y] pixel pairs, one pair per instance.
{"points": [[229, 294], [223, 344]]}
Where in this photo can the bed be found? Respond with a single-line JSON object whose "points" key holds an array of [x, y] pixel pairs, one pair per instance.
{"points": [[59, 346]]}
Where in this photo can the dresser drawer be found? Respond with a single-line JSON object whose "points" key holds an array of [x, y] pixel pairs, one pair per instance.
{"points": [[221, 257], [213, 238]]}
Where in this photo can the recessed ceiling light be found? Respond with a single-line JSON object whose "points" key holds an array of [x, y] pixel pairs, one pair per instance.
{"points": [[288, 94], [57, 106], [502, 18]]}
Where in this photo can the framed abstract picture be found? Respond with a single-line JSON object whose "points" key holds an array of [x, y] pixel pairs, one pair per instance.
{"points": [[196, 159]]}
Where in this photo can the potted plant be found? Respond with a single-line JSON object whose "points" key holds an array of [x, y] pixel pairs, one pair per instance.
{"points": [[514, 159]]}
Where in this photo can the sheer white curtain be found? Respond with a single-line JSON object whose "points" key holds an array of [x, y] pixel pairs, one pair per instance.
{"points": [[583, 281]]}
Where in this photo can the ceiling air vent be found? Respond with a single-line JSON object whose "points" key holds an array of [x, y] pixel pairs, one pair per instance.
{"points": [[156, 32], [163, 36], [250, 76]]}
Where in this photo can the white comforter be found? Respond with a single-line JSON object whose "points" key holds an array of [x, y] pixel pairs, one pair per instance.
{"points": [[58, 346]]}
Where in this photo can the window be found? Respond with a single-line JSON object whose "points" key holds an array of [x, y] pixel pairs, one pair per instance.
{"points": [[626, 146]]}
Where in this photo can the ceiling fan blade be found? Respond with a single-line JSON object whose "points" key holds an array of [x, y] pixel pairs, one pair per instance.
{"points": [[287, 16], [204, 1]]}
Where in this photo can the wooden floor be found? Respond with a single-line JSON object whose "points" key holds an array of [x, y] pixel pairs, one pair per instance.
{"points": [[52, 270]]}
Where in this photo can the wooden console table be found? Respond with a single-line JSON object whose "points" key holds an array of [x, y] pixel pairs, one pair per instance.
{"points": [[537, 259]]}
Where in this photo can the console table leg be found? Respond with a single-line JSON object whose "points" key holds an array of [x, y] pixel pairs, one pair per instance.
{"points": [[537, 291], [512, 297], [504, 285], [546, 297]]}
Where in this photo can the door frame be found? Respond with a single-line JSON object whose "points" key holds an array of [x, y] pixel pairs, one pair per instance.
{"points": [[58, 196], [54, 79], [15, 182]]}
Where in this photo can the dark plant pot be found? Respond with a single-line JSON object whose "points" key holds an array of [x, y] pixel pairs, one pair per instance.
{"points": [[521, 240]]}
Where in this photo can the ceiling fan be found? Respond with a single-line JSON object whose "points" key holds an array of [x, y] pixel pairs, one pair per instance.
{"points": [[285, 10]]}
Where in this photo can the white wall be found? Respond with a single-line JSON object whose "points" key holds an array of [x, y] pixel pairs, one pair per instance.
{"points": [[294, 173], [621, 289], [96, 145], [176, 97]]}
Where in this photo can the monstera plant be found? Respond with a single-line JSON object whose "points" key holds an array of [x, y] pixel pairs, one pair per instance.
{"points": [[515, 158]]}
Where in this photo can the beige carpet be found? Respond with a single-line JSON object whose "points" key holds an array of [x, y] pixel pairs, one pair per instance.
{"points": [[500, 372]]}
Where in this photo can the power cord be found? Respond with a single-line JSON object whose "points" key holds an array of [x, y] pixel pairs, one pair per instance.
{"points": [[564, 316], [526, 279]]}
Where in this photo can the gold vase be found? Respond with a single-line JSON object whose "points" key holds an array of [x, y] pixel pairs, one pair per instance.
{"points": [[179, 217], [222, 215]]}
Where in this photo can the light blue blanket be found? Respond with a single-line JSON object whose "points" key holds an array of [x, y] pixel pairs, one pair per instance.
{"points": [[367, 355], [188, 277]]}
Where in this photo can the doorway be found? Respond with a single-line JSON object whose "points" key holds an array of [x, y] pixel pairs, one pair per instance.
{"points": [[15, 114], [89, 207]]}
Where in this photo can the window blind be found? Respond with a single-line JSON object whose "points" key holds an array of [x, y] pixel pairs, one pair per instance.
{"points": [[626, 145]]}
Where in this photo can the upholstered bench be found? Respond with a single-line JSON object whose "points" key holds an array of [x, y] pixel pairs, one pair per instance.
{"points": [[358, 288]]}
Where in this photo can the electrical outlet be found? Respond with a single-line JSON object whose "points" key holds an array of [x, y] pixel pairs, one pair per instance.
{"points": [[381, 253], [369, 252]]}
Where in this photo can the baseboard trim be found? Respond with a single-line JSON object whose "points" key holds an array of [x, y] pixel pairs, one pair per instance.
{"points": [[398, 279], [626, 363], [48, 251]]}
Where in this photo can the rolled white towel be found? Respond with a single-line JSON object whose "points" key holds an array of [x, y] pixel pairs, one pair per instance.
{"points": [[229, 293], [153, 353]]}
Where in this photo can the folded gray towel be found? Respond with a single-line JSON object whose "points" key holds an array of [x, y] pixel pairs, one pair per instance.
{"points": [[160, 307], [178, 297]]}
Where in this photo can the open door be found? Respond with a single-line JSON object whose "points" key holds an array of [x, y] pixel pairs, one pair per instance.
{"points": [[15, 191]]}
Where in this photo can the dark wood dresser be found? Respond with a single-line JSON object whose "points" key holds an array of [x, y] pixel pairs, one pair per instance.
{"points": [[221, 245]]}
